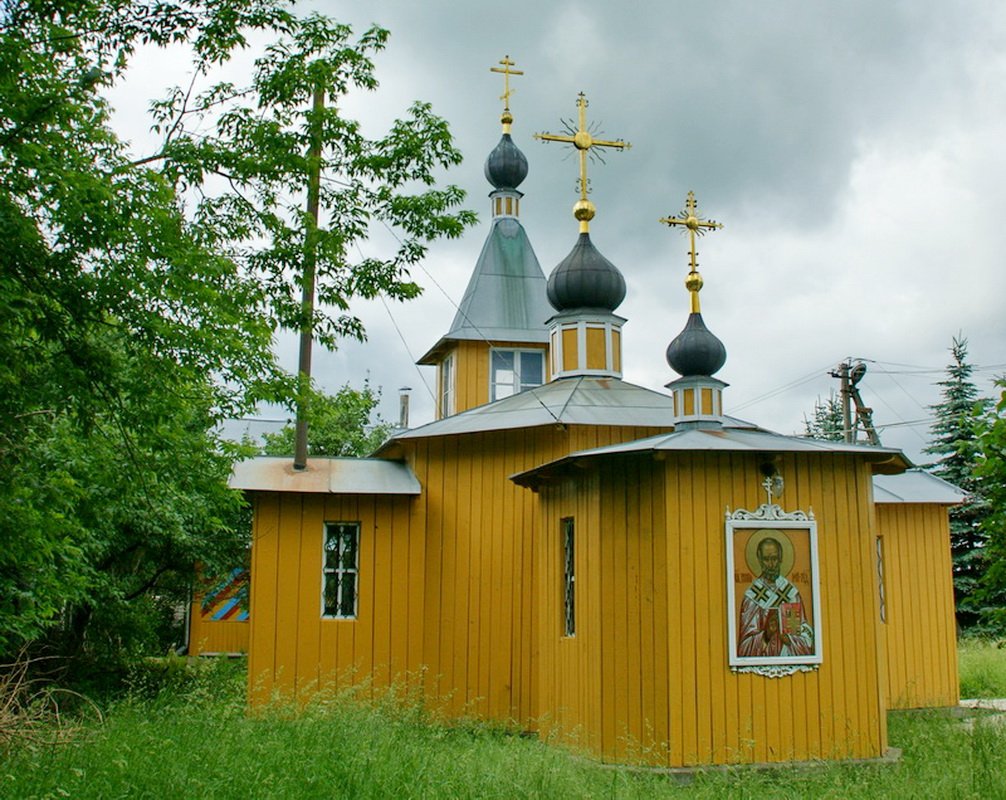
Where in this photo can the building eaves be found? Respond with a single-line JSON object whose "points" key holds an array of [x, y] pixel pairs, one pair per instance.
{"points": [[325, 476], [915, 486], [725, 439]]}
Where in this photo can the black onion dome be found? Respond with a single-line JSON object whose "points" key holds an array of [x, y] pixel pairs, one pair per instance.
{"points": [[696, 350], [585, 279], [506, 165]]}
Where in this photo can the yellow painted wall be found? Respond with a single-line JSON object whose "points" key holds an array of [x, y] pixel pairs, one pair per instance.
{"points": [[210, 637], [472, 372], [647, 677], [292, 647], [921, 640], [456, 562]]}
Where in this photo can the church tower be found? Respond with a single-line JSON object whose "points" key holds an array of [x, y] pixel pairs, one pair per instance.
{"points": [[696, 353], [496, 345], [585, 335]]}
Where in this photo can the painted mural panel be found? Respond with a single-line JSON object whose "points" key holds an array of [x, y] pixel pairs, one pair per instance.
{"points": [[227, 598], [773, 598]]}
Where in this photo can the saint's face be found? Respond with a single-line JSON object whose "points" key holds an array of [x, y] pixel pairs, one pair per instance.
{"points": [[769, 556]]}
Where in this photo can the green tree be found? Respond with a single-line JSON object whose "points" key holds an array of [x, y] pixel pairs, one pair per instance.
{"points": [[139, 293], [342, 424], [954, 437], [827, 420], [991, 470]]}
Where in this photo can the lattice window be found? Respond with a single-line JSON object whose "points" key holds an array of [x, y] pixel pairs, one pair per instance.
{"points": [[341, 569], [569, 576]]}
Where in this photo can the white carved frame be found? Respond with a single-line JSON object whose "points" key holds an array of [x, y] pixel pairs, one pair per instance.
{"points": [[770, 515]]}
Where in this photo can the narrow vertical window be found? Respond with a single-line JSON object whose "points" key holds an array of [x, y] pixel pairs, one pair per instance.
{"points": [[569, 577], [880, 578], [341, 569], [447, 386]]}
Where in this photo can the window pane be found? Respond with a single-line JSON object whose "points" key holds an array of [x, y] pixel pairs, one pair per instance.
{"points": [[331, 595], [532, 369], [349, 548], [347, 607], [503, 373]]}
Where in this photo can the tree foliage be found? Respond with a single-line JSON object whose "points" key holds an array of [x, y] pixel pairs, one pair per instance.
{"points": [[991, 470], [140, 292], [955, 440], [827, 421], [342, 424]]}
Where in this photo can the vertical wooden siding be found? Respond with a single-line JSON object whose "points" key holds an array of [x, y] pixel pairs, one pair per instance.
{"points": [[446, 593], [665, 694], [211, 636], [293, 649], [481, 612], [920, 630], [472, 371]]}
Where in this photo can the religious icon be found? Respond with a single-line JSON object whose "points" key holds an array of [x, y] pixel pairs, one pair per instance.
{"points": [[773, 598]]}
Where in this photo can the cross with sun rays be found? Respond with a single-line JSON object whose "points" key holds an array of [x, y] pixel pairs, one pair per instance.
{"points": [[585, 142], [689, 218]]}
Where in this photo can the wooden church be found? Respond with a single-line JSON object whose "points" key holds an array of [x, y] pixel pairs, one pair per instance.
{"points": [[635, 572]]}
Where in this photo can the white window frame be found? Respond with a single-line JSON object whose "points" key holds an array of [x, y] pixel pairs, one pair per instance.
{"points": [[516, 385], [448, 378], [339, 572]]}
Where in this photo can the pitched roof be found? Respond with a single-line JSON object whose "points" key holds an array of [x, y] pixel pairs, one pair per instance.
{"points": [[725, 439], [915, 486], [505, 299]]}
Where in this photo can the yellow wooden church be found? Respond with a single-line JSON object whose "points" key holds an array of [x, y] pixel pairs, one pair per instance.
{"points": [[635, 572]]}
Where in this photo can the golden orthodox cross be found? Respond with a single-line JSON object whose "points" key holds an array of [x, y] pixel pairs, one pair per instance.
{"points": [[584, 142], [696, 225], [506, 72]]}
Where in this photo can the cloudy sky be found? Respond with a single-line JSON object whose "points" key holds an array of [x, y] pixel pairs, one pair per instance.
{"points": [[854, 152]]}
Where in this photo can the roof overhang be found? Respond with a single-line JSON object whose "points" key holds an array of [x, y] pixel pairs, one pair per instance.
{"points": [[884, 460], [325, 476], [916, 486]]}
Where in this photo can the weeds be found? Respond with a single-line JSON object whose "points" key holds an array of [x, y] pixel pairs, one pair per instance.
{"points": [[31, 709], [982, 668]]}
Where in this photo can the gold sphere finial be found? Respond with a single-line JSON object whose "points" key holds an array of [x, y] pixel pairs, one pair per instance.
{"points": [[584, 210], [506, 117], [693, 282]]}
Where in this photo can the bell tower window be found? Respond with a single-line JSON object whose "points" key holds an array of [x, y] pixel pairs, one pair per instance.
{"points": [[513, 371]]}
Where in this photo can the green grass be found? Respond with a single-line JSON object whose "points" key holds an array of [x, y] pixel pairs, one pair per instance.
{"points": [[196, 740], [982, 668]]}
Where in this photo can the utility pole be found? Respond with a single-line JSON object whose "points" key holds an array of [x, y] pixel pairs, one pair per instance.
{"points": [[308, 278], [842, 374], [849, 376]]}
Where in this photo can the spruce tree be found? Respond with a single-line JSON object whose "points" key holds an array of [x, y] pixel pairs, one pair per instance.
{"points": [[827, 422], [954, 438]]}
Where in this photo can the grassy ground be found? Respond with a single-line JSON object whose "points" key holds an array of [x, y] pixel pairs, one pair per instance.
{"points": [[982, 668], [196, 740]]}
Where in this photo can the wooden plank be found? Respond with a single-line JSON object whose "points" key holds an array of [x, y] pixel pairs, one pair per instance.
{"points": [[382, 582], [308, 588], [264, 594], [288, 576]]}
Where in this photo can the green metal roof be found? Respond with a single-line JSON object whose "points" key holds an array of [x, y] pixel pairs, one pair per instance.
{"points": [[505, 299]]}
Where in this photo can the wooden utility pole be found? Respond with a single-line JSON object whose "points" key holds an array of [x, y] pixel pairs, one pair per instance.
{"points": [[843, 376], [308, 278]]}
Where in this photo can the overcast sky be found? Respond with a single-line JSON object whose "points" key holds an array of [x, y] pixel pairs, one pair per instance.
{"points": [[854, 152]]}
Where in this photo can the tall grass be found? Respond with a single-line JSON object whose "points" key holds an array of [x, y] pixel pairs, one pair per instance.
{"points": [[196, 739], [982, 667]]}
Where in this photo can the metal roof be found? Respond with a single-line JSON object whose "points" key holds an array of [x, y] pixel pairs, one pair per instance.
{"points": [[566, 401], [725, 439], [325, 476], [505, 299], [915, 486]]}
